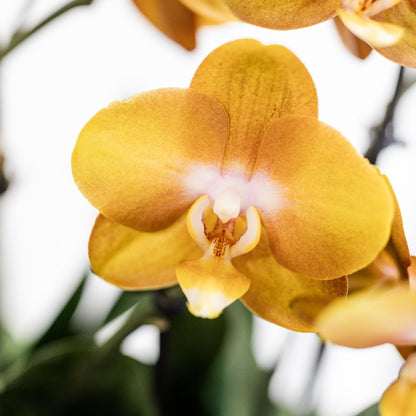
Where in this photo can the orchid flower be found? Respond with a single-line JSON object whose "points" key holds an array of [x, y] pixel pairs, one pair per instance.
{"points": [[232, 188], [382, 314], [388, 26], [178, 20]]}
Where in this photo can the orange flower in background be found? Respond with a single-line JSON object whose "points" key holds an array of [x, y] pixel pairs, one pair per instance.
{"points": [[388, 26], [231, 188], [385, 314], [179, 20], [400, 398]]}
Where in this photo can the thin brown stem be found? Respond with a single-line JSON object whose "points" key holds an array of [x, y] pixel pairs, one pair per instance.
{"points": [[382, 135], [21, 36]]}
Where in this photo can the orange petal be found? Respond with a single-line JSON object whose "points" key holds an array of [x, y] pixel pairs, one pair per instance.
{"points": [[172, 18], [398, 244], [283, 14], [375, 33], [135, 260], [334, 212], [281, 296], [355, 45], [383, 270], [214, 10], [132, 159], [371, 318], [256, 84], [210, 285], [400, 398], [404, 15]]}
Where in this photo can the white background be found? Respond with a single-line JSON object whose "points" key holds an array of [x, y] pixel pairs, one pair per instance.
{"points": [[53, 83]]}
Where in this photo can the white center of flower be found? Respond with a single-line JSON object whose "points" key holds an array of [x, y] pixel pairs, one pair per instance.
{"points": [[227, 204]]}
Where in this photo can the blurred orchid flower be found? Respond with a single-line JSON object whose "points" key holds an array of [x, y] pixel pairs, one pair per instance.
{"points": [[179, 20], [388, 26], [231, 188]]}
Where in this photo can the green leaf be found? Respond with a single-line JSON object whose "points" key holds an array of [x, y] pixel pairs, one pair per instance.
{"points": [[237, 387], [371, 411], [124, 302], [61, 326], [10, 350], [188, 350], [74, 377]]}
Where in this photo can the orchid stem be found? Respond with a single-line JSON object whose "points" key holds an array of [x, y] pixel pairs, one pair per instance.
{"points": [[382, 135], [20, 36], [145, 312]]}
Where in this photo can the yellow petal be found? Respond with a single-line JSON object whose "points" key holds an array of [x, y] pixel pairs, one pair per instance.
{"points": [[355, 45], [135, 260], [210, 285], [214, 10], [403, 15], [172, 18], [398, 244], [281, 296], [400, 398], [335, 211], [383, 270], [376, 34], [283, 14], [371, 318], [132, 159], [256, 84]]}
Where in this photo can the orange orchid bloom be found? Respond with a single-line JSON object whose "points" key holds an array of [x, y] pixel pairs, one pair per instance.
{"points": [[400, 398], [179, 20], [380, 315], [381, 305], [388, 26], [232, 188]]}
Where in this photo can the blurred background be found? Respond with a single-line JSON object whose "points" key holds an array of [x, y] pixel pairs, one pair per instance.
{"points": [[53, 83]]}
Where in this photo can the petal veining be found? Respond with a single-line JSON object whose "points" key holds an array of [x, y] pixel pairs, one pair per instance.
{"points": [[256, 84]]}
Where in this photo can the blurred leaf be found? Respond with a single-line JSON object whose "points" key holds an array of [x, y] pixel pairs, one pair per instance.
{"points": [[371, 411], [123, 303], [237, 387], [71, 378], [10, 350], [61, 326], [188, 349]]}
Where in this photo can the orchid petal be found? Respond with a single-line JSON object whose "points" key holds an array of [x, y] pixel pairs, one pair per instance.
{"points": [[398, 242], [376, 34], [281, 296], [215, 10], [404, 15], [172, 18], [355, 45], [135, 260], [399, 399], [132, 159], [335, 211], [210, 285], [256, 84], [283, 14], [371, 318]]}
